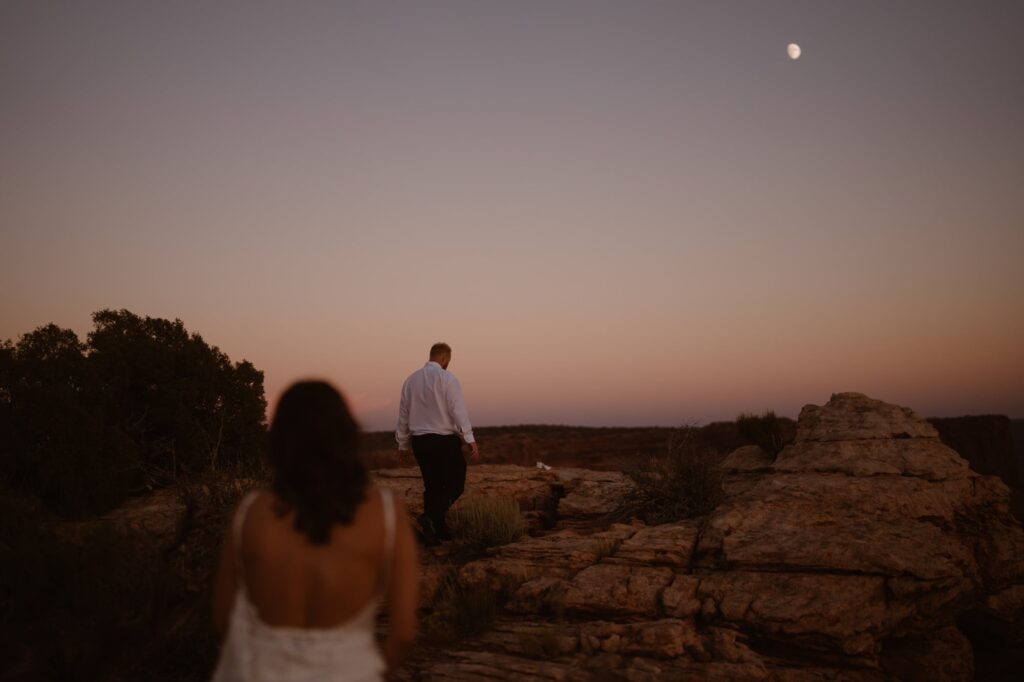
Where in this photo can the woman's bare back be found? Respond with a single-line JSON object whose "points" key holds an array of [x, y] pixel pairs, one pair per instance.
{"points": [[294, 583]]}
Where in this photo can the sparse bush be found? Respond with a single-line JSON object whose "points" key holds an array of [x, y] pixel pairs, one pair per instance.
{"points": [[97, 601], [763, 430], [70, 608], [482, 522], [458, 611], [684, 483], [209, 504]]}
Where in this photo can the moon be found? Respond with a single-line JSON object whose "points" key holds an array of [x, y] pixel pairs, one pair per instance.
{"points": [[793, 50]]}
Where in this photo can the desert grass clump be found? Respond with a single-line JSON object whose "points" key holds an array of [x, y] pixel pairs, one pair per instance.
{"points": [[459, 611], [547, 641], [482, 522], [684, 483], [763, 430], [606, 547]]}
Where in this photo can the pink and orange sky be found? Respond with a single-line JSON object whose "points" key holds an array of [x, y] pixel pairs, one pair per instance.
{"points": [[617, 213]]}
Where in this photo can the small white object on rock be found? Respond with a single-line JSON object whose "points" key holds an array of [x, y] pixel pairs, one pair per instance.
{"points": [[542, 465]]}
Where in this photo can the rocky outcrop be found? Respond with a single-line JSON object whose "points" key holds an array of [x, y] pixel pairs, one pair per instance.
{"points": [[864, 551], [544, 495]]}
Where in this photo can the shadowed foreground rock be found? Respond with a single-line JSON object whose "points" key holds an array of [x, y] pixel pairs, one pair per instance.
{"points": [[864, 551]]}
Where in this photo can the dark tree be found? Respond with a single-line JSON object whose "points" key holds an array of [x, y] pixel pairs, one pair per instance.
{"points": [[140, 405], [57, 444]]}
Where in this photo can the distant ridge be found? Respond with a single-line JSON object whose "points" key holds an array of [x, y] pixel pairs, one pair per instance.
{"points": [[1017, 430], [608, 448]]}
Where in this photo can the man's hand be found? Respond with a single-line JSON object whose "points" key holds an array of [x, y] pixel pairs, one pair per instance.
{"points": [[474, 452]]}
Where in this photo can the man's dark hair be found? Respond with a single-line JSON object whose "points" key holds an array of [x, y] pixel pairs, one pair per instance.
{"points": [[439, 349], [314, 451]]}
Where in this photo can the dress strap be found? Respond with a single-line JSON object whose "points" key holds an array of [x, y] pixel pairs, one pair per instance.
{"points": [[236, 530], [388, 503]]}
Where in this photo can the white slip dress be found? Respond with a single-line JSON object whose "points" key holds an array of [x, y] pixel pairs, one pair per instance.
{"points": [[255, 651]]}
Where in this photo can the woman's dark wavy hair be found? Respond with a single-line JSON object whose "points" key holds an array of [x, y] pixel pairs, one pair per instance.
{"points": [[314, 451]]}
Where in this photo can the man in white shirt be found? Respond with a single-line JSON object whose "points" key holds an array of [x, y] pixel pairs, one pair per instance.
{"points": [[432, 418]]}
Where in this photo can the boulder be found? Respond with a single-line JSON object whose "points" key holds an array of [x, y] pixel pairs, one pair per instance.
{"points": [[854, 416], [748, 459]]}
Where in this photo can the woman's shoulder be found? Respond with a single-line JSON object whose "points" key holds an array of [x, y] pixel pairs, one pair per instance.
{"points": [[257, 497], [377, 494], [261, 507]]}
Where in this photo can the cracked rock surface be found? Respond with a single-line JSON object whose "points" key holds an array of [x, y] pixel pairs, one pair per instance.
{"points": [[864, 551]]}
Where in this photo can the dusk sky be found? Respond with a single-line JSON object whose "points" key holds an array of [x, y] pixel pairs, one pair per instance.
{"points": [[617, 213]]}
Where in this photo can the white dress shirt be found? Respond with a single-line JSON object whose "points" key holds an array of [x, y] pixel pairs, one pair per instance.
{"points": [[432, 403]]}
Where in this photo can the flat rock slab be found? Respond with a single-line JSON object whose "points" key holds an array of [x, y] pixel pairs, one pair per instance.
{"points": [[670, 544], [572, 492], [560, 554], [590, 493], [619, 590], [847, 612], [533, 489]]}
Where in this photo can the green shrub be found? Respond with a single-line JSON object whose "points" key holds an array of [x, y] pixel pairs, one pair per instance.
{"points": [[763, 430], [684, 483], [482, 522], [459, 611]]}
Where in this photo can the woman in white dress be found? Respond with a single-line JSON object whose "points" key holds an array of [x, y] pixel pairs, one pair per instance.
{"points": [[306, 564]]}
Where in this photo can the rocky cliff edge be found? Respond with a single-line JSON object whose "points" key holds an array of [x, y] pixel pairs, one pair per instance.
{"points": [[866, 550]]}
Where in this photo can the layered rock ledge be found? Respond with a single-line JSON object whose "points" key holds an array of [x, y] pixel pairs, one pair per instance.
{"points": [[866, 550]]}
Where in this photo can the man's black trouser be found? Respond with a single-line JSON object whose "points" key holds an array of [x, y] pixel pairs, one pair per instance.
{"points": [[444, 474]]}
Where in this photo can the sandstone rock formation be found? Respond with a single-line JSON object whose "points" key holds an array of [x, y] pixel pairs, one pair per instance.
{"points": [[864, 551]]}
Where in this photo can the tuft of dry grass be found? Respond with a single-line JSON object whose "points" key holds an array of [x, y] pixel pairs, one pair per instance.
{"points": [[684, 483], [549, 642], [763, 430], [482, 522], [606, 547], [459, 611]]}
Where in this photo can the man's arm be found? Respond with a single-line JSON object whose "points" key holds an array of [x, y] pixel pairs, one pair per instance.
{"points": [[402, 430], [460, 415]]}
